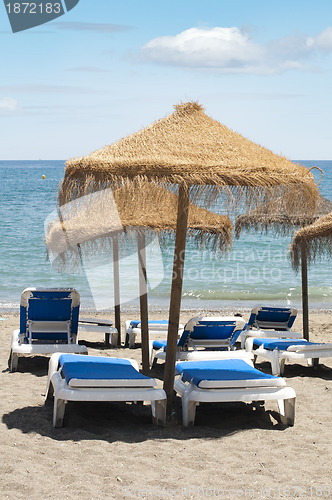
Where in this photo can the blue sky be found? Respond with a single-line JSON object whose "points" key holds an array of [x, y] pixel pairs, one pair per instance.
{"points": [[106, 69]]}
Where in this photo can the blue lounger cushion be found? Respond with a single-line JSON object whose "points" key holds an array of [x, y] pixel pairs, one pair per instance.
{"points": [[135, 323], [281, 344], [159, 344], [94, 371], [224, 373], [202, 332]]}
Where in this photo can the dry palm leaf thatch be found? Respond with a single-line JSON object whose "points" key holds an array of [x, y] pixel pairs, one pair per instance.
{"points": [[312, 241], [274, 217], [126, 212], [190, 149]]}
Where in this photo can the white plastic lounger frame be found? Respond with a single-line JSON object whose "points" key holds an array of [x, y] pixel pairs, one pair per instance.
{"points": [[100, 326], [18, 350], [39, 321], [201, 355], [133, 328], [270, 322], [102, 390], [311, 352], [191, 349], [227, 391]]}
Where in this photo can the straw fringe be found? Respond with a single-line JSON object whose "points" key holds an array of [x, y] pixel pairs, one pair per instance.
{"points": [[315, 240], [93, 221], [190, 148], [273, 217]]}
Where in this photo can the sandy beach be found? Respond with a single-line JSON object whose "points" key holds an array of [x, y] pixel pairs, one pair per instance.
{"points": [[113, 451]]}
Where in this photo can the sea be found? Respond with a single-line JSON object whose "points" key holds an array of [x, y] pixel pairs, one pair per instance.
{"points": [[256, 271]]}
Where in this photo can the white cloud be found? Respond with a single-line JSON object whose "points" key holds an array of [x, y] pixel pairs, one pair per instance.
{"points": [[8, 106], [323, 41], [232, 50]]}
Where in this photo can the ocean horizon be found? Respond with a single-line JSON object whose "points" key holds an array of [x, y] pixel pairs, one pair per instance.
{"points": [[256, 271]]}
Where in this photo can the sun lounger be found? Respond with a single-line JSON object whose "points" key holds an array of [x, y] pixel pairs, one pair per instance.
{"points": [[73, 377], [133, 328], [104, 326], [273, 322], [230, 381], [278, 351], [48, 324], [204, 338]]}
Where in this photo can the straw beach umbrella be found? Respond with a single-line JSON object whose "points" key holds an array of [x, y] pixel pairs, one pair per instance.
{"points": [[203, 160], [137, 215], [273, 216], [315, 240], [309, 243], [265, 218]]}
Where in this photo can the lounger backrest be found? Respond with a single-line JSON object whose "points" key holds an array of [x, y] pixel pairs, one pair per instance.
{"points": [[276, 318], [47, 306], [204, 329]]}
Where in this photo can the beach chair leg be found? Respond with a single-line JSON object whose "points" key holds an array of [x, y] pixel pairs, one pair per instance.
{"points": [[313, 362], [114, 338], [126, 344], [188, 411], [49, 391], [275, 363], [131, 340], [282, 366], [287, 411], [159, 412], [13, 361], [152, 359], [58, 412]]}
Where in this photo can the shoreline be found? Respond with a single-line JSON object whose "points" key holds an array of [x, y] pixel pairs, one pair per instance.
{"points": [[199, 311]]}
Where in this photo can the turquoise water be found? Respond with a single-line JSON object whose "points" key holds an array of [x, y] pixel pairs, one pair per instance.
{"points": [[256, 271]]}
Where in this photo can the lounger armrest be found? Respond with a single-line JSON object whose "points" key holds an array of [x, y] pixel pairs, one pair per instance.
{"points": [[249, 344], [310, 347]]}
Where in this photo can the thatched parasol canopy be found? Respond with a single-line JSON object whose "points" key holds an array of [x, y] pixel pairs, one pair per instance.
{"points": [[191, 149], [107, 220], [264, 218], [314, 240], [128, 211], [203, 159], [273, 216]]}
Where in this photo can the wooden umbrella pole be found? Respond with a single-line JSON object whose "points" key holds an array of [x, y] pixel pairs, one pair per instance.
{"points": [[143, 298], [305, 306], [116, 276], [176, 292]]}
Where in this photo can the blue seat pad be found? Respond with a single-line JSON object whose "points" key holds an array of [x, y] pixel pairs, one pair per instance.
{"points": [[135, 323], [97, 368], [281, 344], [228, 369], [159, 344]]}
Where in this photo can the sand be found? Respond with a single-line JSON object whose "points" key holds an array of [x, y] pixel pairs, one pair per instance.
{"points": [[112, 450]]}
